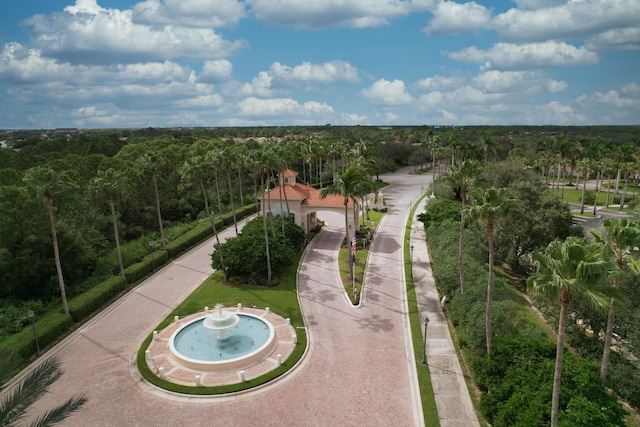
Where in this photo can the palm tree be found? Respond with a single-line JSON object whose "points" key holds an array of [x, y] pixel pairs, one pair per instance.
{"points": [[599, 166], [461, 176], [487, 206], [571, 270], [488, 145], [111, 181], [262, 164], [43, 181], [196, 167], [151, 162], [215, 159], [15, 405], [348, 185], [627, 168], [434, 145], [227, 158], [621, 241], [585, 165]]}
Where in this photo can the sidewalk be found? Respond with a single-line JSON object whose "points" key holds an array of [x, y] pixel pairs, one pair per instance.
{"points": [[450, 390]]}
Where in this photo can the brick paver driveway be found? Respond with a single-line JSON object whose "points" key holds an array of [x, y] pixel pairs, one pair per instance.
{"points": [[358, 370]]}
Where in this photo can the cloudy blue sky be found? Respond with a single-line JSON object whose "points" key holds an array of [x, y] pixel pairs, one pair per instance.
{"points": [[162, 63]]}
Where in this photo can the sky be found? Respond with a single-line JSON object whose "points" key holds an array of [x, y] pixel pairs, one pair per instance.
{"points": [[200, 63]]}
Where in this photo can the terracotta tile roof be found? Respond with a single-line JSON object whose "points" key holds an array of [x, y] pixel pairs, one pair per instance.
{"points": [[308, 195], [288, 172]]}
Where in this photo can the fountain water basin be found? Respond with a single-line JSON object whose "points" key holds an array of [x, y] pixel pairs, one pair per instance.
{"points": [[222, 341]]}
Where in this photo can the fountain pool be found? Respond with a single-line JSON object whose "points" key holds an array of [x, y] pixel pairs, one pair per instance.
{"points": [[214, 342]]}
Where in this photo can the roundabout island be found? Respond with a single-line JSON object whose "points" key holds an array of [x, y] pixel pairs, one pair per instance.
{"points": [[220, 346]]}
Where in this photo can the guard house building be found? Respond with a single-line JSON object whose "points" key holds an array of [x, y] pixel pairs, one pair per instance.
{"points": [[304, 202]]}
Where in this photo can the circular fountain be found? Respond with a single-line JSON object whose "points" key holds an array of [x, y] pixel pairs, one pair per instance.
{"points": [[222, 340]]}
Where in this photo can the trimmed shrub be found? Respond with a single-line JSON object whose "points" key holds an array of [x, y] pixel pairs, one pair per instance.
{"points": [[49, 327], [84, 305], [145, 267], [191, 238]]}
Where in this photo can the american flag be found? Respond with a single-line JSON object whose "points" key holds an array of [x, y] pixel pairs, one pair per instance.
{"points": [[354, 243]]}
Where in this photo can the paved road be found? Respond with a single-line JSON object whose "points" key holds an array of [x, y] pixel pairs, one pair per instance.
{"points": [[359, 369]]}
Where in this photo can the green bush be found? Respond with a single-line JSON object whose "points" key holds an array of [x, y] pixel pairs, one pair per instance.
{"points": [[439, 210], [589, 197], [49, 328], [191, 238], [517, 383], [624, 378], [84, 305], [245, 255], [145, 267], [14, 317], [132, 252]]}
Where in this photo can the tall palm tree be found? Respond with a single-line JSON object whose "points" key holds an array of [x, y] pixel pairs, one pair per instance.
{"points": [[110, 181], [15, 405], [487, 206], [152, 162], [228, 158], [215, 157], [569, 270], [434, 145], [196, 168], [599, 167], [348, 185], [621, 241], [44, 181], [262, 164], [627, 169], [586, 166], [462, 176]]}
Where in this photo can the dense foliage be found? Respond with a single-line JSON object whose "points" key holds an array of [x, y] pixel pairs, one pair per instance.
{"points": [[245, 255], [516, 386], [516, 381]]}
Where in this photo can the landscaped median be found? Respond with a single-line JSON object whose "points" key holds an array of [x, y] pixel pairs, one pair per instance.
{"points": [[281, 299]]}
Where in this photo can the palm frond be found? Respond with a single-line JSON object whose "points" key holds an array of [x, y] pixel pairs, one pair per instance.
{"points": [[15, 404], [61, 412]]}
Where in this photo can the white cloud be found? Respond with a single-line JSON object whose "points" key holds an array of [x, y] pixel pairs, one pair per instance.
{"points": [[327, 72], [216, 71], [259, 86], [455, 18], [441, 82], [618, 39], [190, 13], [384, 92], [279, 79], [538, 4], [283, 107], [533, 55], [90, 34], [352, 119], [494, 81], [334, 13], [573, 19]]}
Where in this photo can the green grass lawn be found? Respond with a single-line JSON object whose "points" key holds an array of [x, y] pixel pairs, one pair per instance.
{"points": [[573, 195]]}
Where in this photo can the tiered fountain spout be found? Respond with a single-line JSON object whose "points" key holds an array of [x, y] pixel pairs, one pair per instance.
{"points": [[221, 320]]}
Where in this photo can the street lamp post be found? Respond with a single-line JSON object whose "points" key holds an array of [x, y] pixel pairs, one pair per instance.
{"points": [[424, 352], [411, 260], [153, 263], [31, 315]]}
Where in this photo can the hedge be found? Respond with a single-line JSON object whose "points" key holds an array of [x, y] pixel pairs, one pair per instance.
{"points": [[147, 266], [204, 231], [49, 327], [87, 303]]}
